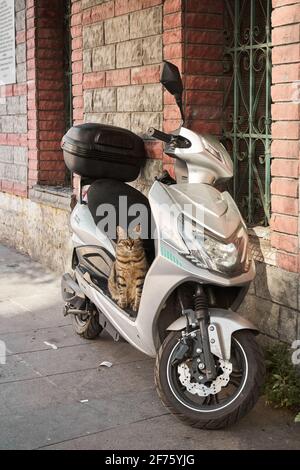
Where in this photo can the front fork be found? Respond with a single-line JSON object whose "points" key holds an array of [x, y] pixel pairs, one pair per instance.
{"points": [[195, 341]]}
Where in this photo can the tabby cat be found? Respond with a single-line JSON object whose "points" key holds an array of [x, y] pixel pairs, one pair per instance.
{"points": [[128, 272]]}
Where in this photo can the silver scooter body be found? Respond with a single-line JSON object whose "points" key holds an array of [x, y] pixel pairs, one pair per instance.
{"points": [[198, 167]]}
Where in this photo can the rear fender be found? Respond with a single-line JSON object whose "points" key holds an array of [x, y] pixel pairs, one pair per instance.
{"points": [[225, 323]]}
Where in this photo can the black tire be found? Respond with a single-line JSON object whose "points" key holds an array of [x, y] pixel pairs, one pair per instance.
{"points": [[246, 395], [87, 326]]}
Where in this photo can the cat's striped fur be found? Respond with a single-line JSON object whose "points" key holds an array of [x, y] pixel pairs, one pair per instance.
{"points": [[128, 272]]}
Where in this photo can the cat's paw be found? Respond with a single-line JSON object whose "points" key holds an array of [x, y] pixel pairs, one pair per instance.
{"points": [[135, 307]]}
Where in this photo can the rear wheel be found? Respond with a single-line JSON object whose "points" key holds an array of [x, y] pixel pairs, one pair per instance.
{"points": [[217, 404], [87, 325]]}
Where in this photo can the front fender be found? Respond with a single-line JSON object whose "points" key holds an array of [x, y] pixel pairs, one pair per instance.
{"points": [[226, 323]]}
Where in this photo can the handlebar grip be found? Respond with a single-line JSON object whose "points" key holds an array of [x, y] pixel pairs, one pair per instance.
{"points": [[159, 135]]}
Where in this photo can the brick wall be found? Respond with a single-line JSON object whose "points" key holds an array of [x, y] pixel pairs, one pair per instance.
{"points": [[285, 132], [203, 53], [13, 119], [46, 106]]}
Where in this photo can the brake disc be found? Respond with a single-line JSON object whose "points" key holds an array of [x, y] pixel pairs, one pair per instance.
{"points": [[200, 389]]}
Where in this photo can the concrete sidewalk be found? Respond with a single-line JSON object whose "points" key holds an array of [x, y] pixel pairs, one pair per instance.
{"points": [[42, 389]]}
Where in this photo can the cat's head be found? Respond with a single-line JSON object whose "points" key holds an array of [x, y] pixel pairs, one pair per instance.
{"points": [[129, 243]]}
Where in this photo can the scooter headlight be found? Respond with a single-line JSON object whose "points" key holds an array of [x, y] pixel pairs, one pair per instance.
{"points": [[208, 252]]}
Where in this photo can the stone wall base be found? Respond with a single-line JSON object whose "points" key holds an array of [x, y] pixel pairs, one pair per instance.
{"points": [[37, 229]]}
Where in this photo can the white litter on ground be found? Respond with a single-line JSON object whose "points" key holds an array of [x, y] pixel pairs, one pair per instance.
{"points": [[105, 364], [53, 346], [84, 401]]}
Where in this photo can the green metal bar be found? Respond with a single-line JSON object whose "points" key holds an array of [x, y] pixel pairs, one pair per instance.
{"points": [[236, 97], [251, 116], [268, 117]]}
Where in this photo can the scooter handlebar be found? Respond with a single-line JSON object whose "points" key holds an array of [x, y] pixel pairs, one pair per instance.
{"points": [[152, 132]]}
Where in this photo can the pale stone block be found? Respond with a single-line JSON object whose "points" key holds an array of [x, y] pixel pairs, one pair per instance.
{"points": [[146, 22], [105, 100], [116, 29], [104, 58], [140, 122], [93, 36], [152, 50], [129, 53]]}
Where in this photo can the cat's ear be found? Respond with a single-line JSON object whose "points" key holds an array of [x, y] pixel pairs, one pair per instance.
{"points": [[121, 233], [137, 230]]}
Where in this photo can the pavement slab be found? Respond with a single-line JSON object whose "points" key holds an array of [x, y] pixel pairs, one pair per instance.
{"points": [[62, 399]]}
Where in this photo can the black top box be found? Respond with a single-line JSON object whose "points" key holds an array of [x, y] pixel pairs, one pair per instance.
{"points": [[102, 151]]}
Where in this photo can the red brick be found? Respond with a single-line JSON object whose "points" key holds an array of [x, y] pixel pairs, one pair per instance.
{"points": [[282, 167], [50, 74], [172, 6], [203, 97], [288, 262], [77, 90], [286, 34], [77, 55], [58, 125], [76, 19], [171, 125], [286, 112], [204, 52], [205, 127], [76, 7], [286, 54], [102, 12], [285, 92], [284, 205], [173, 36], [49, 115], [127, 6], [77, 43], [211, 113], [146, 74], [52, 165], [286, 130], [77, 78], [76, 31], [51, 156], [171, 111], [204, 67], [20, 89], [213, 6], [78, 102], [118, 77], [285, 187], [50, 85], [20, 189], [285, 149], [78, 114], [51, 105], [20, 37], [286, 15], [284, 223], [51, 95], [50, 145], [194, 20], [52, 177], [204, 37], [283, 242], [172, 21], [77, 67], [150, 3], [94, 80], [194, 82], [173, 51]]}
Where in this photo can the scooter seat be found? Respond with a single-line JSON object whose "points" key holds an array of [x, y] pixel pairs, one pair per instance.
{"points": [[109, 191]]}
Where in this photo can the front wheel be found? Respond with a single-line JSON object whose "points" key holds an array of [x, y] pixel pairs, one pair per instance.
{"points": [[220, 403]]}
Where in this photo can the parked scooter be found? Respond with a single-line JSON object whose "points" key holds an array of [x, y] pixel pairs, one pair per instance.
{"points": [[209, 367]]}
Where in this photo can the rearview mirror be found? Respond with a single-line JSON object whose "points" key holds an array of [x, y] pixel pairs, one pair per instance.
{"points": [[170, 78]]}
